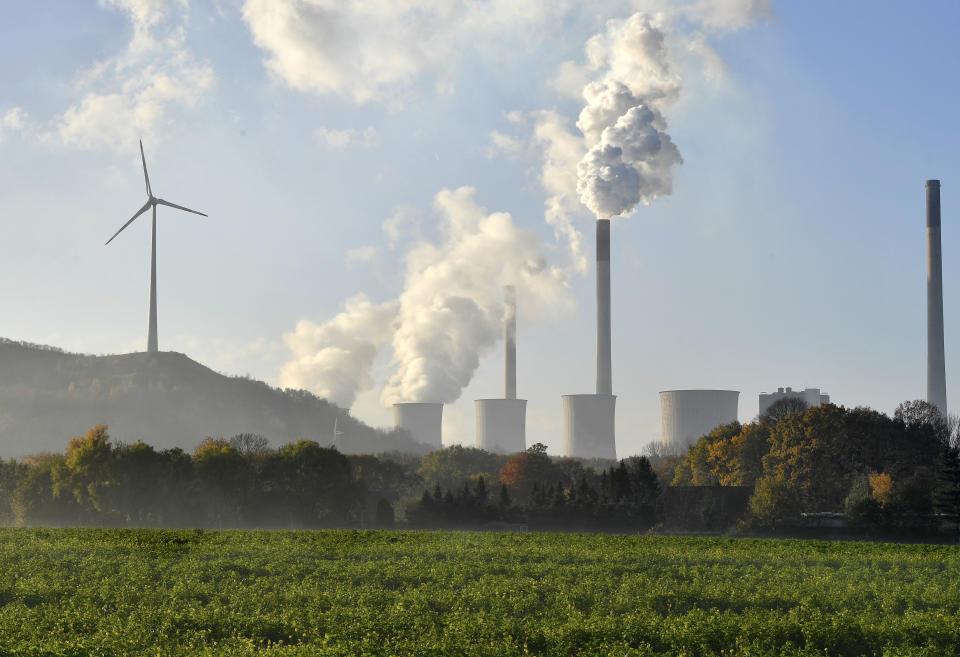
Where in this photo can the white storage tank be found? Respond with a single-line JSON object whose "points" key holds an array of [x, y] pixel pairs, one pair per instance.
{"points": [[686, 415]]}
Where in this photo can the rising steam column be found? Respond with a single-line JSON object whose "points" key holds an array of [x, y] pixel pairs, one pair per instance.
{"points": [[501, 423], [936, 369], [589, 420]]}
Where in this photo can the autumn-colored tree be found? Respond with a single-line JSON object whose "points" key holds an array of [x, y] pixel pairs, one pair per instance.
{"points": [[811, 454], [525, 469], [704, 463], [881, 487]]}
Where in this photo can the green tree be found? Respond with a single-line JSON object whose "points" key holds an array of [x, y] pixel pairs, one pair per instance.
{"points": [[89, 475], [317, 484], [784, 407], [946, 497], [35, 500], [450, 466], [774, 502]]}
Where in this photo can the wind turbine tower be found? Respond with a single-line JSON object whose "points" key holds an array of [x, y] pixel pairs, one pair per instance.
{"points": [[152, 202]]}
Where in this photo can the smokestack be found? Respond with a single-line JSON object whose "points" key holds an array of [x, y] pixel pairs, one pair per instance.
{"points": [[510, 342], [604, 375], [936, 369]]}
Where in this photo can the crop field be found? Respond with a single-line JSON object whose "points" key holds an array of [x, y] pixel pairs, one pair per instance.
{"points": [[154, 592]]}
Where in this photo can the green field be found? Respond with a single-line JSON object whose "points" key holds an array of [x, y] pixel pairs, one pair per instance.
{"points": [[152, 592]]}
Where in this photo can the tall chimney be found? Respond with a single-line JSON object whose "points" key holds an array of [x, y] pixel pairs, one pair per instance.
{"points": [[936, 374], [510, 341], [604, 376]]}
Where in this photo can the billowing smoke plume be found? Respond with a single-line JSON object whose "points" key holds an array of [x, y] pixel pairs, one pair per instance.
{"points": [[334, 359], [622, 154], [452, 308], [631, 156], [449, 313]]}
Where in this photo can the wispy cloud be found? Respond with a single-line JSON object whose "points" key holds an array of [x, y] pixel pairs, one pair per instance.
{"points": [[362, 254], [132, 94], [347, 138]]}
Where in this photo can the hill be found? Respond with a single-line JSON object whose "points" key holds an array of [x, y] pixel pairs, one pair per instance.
{"points": [[164, 399]]}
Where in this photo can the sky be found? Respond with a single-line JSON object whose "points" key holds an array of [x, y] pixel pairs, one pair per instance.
{"points": [[374, 172]]}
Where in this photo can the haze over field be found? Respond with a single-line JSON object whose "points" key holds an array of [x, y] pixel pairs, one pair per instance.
{"points": [[375, 173]]}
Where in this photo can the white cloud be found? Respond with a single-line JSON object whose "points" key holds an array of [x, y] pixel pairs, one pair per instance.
{"points": [[402, 225], [374, 51], [13, 120], [347, 138], [503, 144], [362, 254], [131, 95]]}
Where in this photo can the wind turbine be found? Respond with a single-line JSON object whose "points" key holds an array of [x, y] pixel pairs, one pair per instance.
{"points": [[152, 202]]}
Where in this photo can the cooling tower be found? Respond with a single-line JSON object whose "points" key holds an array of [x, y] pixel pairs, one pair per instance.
{"points": [[686, 415], [502, 423], [422, 420], [589, 426], [589, 420], [936, 369]]}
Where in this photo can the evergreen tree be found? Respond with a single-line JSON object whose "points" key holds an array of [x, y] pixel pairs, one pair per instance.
{"points": [[946, 495]]}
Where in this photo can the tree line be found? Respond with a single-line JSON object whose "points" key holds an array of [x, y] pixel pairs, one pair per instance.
{"points": [[878, 471], [783, 470], [243, 482]]}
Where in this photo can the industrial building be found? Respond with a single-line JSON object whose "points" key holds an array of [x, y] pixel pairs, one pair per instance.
{"points": [[589, 420], [812, 396], [424, 421], [502, 423], [686, 415]]}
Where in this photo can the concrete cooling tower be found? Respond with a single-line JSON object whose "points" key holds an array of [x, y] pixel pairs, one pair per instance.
{"points": [[589, 424], [422, 420], [502, 423], [686, 415]]}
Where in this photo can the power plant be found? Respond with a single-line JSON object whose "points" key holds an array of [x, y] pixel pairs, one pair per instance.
{"points": [[936, 367], [589, 420], [686, 415], [424, 421], [812, 396], [501, 423]]}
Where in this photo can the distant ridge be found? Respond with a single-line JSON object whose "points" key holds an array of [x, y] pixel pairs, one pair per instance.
{"points": [[164, 399]]}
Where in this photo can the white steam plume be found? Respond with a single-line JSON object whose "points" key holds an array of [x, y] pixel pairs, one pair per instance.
{"points": [[449, 313], [334, 359], [630, 157], [451, 310]]}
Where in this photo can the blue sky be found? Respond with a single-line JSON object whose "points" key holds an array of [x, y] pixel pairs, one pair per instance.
{"points": [[790, 252]]}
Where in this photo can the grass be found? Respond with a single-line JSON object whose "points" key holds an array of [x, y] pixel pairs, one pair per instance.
{"points": [[154, 592]]}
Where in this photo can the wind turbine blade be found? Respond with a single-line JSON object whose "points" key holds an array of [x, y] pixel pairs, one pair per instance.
{"points": [[146, 206], [160, 201], [143, 158]]}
